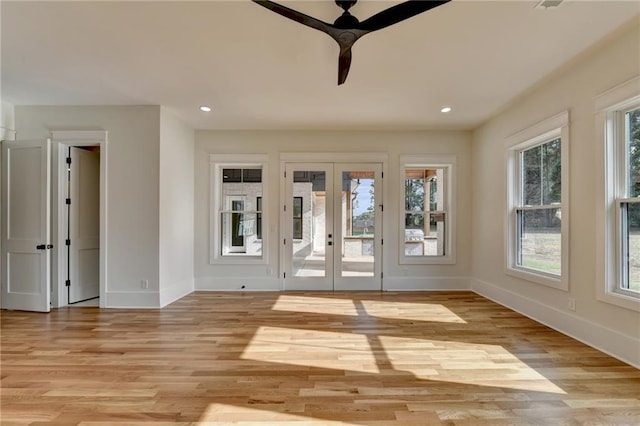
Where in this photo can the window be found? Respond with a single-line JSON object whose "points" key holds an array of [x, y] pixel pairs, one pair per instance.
{"points": [[427, 213], [237, 201], [259, 217], [537, 212], [619, 126], [297, 218]]}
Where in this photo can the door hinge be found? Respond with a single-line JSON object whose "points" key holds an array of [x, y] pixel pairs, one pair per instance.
{"points": [[284, 241], [67, 283], [285, 174], [381, 175], [381, 275], [382, 241], [284, 275], [381, 207], [68, 201], [285, 207], [67, 242], [68, 160]]}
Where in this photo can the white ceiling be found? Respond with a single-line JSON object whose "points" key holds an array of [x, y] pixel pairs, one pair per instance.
{"points": [[258, 70]]}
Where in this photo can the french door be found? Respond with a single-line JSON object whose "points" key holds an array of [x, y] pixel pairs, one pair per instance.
{"points": [[332, 226]]}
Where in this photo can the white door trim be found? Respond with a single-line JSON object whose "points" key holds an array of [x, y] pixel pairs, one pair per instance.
{"points": [[334, 157], [62, 140]]}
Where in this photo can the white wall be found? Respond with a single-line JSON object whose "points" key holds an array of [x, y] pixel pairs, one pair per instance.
{"points": [[176, 208], [133, 164], [605, 326], [273, 143]]}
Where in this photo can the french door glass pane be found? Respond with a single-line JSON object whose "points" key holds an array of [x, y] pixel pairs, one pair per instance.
{"points": [[357, 206], [539, 241], [309, 224]]}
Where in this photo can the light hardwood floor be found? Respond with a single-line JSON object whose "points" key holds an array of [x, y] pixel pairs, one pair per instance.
{"points": [[307, 358]]}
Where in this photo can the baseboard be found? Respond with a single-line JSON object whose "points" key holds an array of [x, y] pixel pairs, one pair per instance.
{"points": [[175, 292], [426, 284], [131, 300], [237, 284], [609, 341]]}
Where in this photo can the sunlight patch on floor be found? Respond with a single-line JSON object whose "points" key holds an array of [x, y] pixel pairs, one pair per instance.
{"points": [[337, 351], [468, 363], [315, 305], [239, 415], [405, 311]]}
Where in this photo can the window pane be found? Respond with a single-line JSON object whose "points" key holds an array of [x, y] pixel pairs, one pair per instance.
{"points": [[539, 241], [541, 174], [633, 152], [252, 175], [259, 217], [414, 193], [631, 220], [231, 175], [239, 234], [421, 240], [297, 218]]}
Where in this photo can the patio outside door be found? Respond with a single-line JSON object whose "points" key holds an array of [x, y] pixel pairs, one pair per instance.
{"points": [[332, 226]]}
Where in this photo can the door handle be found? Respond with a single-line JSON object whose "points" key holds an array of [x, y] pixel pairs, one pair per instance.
{"points": [[330, 243], [44, 246]]}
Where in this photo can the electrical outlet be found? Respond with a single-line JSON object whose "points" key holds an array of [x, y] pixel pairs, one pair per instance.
{"points": [[144, 284], [572, 304]]}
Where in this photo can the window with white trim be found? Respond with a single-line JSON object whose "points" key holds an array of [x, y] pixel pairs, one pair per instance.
{"points": [[426, 232], [619, 130], [237, 203], [537, 208]]}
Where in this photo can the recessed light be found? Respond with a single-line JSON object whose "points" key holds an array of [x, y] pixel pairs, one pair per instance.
{"points": [[205, 108], [446, 109]]}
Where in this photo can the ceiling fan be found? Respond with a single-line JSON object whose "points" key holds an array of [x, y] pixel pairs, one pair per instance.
{"points": [[347, 29]]}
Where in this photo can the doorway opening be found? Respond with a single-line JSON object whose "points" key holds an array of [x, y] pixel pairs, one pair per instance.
{"points": [[82, 231]]}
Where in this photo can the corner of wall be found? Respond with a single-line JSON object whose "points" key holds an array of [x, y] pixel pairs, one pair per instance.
{"points": [[7, 121]]}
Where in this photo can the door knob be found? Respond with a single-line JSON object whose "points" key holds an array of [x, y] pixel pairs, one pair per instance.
{"points": [[44, 246]]}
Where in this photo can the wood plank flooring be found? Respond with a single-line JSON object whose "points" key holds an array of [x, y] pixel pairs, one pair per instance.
{"points": [[307, 359]]}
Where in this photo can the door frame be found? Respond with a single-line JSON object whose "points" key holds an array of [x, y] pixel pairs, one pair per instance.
{"points": [[330, 157], [62, 140]]}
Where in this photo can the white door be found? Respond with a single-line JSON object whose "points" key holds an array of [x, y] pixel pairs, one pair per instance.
{"points": [[25, 225], [84, 225], [332, 226]]}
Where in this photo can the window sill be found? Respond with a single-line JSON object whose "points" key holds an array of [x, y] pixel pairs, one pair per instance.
{"points": [[620, 299], [427, 260], [539, 278]]}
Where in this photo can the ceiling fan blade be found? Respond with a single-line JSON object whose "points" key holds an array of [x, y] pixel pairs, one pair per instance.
{"points": [[344, 63], [294, 15], [398, 13]]}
